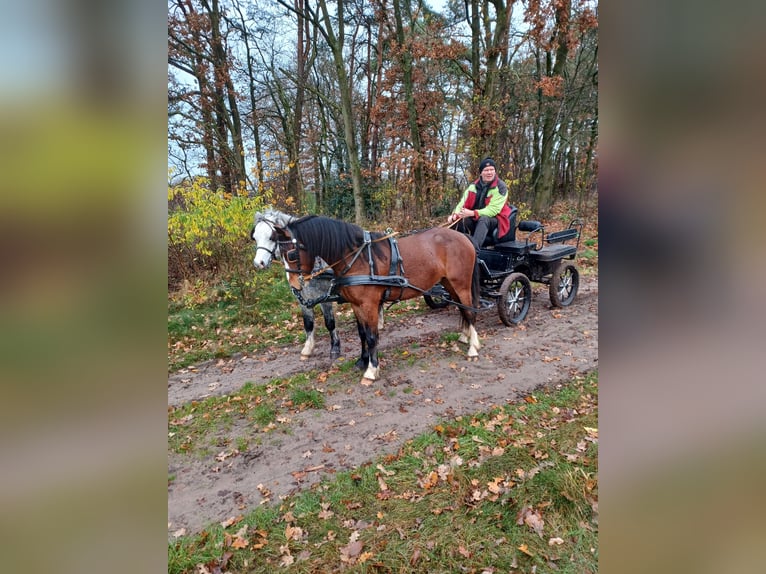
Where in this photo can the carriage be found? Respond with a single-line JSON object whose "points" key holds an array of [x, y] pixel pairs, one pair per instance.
{"points": [[509, 268], [366, 269]]}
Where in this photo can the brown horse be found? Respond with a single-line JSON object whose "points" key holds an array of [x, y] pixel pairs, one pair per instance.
{"points": [[371, 268]]}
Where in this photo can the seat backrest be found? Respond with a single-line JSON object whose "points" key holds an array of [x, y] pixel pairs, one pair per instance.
{"points": [[511, 235], [530, 225]]}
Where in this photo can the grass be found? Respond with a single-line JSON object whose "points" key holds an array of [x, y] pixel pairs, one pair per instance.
{"points": [[196, 427], [511, 489]]}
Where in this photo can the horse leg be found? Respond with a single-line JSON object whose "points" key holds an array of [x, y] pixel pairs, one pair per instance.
{"points": [[329, 322], [308, 326], [368, 327], [469, 335], [468, 332], [361, 363], [371, 335]]}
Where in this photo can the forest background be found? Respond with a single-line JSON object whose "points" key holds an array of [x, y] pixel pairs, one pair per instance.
{"points": [[373, 112]]}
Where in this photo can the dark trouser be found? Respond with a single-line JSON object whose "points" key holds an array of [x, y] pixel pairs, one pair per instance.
{"points": [[477, 230]]}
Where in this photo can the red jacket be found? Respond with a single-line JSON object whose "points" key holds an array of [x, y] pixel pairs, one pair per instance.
{"points": [[495, 204]]}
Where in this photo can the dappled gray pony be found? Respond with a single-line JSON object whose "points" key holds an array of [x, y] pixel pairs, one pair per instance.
{"points": [[267, 249]]}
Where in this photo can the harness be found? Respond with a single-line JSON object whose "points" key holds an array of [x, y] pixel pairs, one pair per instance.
{"points": [[394, 280]]}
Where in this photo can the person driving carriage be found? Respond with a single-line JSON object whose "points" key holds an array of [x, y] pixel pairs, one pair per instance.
{"points": [[484, 207]]}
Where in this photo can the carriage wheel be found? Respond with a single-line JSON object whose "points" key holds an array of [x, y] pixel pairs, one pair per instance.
{"points": [[515, 298], [438, 299], [564, 283]]}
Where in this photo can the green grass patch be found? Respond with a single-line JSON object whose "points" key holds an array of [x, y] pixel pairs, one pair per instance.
{"points": [[307, 398], [219, 325], [511, 489], [197, 426], [450, 337]]}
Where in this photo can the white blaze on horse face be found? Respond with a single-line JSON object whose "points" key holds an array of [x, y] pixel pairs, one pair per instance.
{"points": [[265, 246]]}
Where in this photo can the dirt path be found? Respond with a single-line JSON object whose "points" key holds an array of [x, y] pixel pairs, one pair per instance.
{"points": [[361, 422]]}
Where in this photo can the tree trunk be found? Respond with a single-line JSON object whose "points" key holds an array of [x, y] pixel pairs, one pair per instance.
{"points": [[405, 59], [346, 103], [544, 184]]}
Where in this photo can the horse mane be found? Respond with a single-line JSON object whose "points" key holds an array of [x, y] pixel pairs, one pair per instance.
{"points": [[274, 216], [331, 239]]}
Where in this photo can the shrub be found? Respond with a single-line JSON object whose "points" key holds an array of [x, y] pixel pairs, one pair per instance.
{"points": [[208, 232]]}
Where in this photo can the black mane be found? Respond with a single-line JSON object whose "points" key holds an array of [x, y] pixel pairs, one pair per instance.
{"points": [[330, 239]]}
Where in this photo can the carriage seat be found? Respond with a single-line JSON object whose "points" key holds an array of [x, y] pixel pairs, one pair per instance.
{"points": [[519, 247], [554, 252], [493, 239]]}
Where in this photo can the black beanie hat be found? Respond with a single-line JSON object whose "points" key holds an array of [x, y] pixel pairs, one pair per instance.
{"points": [[485, 162]]}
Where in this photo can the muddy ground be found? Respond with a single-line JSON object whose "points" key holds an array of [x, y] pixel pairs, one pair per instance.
{"points": [[362, 422]]}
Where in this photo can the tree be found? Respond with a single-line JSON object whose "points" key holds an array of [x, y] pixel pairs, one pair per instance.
{"points": [[197, 48]]}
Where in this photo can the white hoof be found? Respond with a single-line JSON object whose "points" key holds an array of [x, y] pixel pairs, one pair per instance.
{"points": [[371, 373]]}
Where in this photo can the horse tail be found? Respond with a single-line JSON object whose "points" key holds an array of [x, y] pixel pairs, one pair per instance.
{"points": [[475, 284]]}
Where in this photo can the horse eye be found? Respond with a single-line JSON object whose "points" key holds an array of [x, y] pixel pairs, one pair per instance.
{"points": [[250, 235], [292, 255]]}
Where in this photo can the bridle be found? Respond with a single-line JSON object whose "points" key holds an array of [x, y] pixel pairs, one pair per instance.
{"points": [[291, 255], [275, 250]]}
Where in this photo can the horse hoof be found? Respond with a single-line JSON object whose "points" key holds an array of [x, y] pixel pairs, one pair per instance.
{"points": [[366, 382], [304, 357]]}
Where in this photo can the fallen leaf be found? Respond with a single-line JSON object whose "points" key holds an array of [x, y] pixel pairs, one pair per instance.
{"points": [[591, 431], [555, 540], [525, 549], [384, 471], [493, 485], [239, 543], [531, 518], [382, 484], [415, 557], [351, 550], [231, 520]]}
